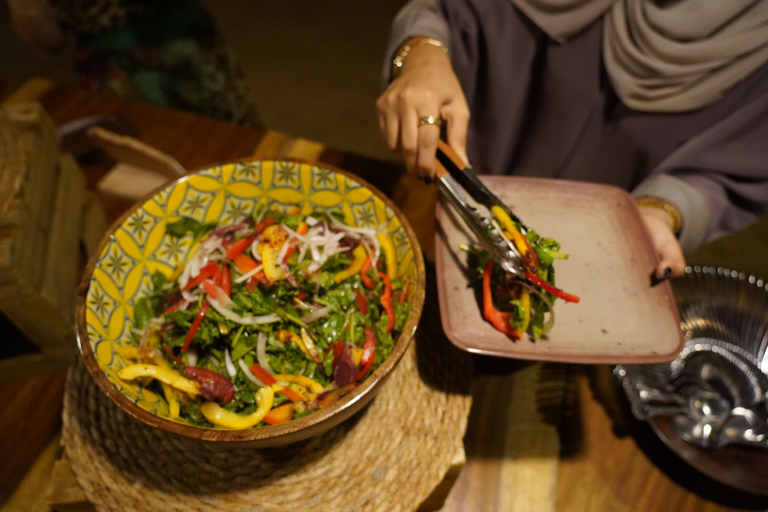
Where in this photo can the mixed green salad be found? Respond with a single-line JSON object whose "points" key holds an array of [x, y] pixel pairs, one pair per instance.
{"points": [[514, 305], [270, 318]]}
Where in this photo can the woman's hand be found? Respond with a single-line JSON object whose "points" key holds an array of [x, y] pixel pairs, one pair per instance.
{"points": [[426, 86], [660, 226]]}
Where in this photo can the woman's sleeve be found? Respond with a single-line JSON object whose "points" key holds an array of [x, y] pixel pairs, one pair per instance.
{"points": [[416, 18], [718, 179]]}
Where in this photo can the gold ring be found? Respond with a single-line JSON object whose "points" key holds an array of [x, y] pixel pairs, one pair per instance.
{"points": [[434, 120]]}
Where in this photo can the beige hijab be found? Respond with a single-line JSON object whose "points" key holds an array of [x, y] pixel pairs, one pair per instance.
{"points": [[666, 55]]}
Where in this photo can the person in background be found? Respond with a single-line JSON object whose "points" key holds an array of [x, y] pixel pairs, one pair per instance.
{"points": [[666, 99], [166, 52]]}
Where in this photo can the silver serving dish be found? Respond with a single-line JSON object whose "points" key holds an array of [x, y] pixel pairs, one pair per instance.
{"points": [[715, 391]]}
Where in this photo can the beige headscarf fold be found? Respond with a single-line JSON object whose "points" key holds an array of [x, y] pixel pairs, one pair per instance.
{"points": [[666, 55]]}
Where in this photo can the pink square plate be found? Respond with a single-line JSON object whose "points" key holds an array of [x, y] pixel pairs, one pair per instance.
{"points": [[621, 318]]}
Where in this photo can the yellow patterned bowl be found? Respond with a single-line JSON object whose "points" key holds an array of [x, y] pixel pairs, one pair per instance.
{"points": [[136, 247]]}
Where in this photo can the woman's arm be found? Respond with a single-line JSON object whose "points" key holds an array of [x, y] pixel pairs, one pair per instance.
{"points": [[420, 85]]}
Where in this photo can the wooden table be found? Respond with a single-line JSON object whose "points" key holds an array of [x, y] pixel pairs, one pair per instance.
{"points": [[601, 460]]}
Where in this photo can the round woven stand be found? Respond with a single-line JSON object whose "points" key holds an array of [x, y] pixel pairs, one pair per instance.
{"points": [[389, 457]]}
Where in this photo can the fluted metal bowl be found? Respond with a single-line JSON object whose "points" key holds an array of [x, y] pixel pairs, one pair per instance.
{"points": [[724, 318], [723, 315]]}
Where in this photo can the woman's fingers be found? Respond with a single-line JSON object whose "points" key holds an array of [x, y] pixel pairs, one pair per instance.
{"points": [[672, 262], [427, 87], [409, 138], [665, 243], [427, 146]]}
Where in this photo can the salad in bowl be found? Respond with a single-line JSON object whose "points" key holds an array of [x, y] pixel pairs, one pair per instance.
{"points": [[257, 301]]}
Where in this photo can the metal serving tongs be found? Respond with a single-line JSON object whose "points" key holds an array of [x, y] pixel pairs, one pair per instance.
{"points": [[455, 179]]}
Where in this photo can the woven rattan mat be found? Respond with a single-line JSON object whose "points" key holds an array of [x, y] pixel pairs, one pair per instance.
{"points": [[390, 456]]}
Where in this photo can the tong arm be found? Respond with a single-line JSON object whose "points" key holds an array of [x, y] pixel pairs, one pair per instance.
{"points": [[453, 164], [487, 235]]}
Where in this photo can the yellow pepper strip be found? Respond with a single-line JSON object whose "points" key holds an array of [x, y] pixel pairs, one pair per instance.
{"points": [[221, 417], [269, 259], [305, 395], [272, 241], [128, 353], [285, 336], [353, 269], [357, 355], [520, 241], [308, 383], [389, 254], [309, 347], [525, 303], [167, 375], [171, 395]]}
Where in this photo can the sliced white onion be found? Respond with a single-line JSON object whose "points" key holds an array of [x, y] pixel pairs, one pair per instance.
{"points": [[302, 253], [192, 356], [190, 296], [294, 234], [214, 362], [261, 353], [192, 268], [288, 275], [283, 250], [246, 320], [255, 249], [228, 363], [311, 221], [249, 274], [316, 314], [250, 376], [369, 232]]}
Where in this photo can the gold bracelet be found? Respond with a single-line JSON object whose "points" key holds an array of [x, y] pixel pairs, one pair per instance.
{"points": [[404, 50], [669, 208]]}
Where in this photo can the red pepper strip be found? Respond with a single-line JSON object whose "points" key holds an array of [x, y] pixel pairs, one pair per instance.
{"points": [[269, 380], [498, 319], [369, 353], [262, 225], [195, 325], [172, 355], [362, 304], [403, 293], [213, 291], [338, 347], [366, 278], [226, 280], [210, 270], [557, 292], [386, 301], [239, 247], [262, 374]]}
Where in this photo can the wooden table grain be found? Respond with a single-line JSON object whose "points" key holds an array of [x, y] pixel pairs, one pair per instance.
{"points": [[601, 460]]}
